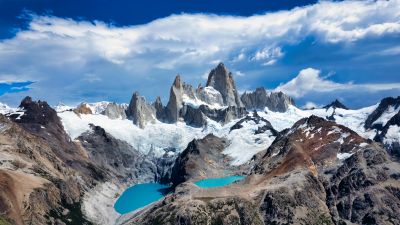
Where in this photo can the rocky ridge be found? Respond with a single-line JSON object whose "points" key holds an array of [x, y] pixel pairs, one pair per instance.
{"points": [[219, 100], [45, 175], [259, 99]]}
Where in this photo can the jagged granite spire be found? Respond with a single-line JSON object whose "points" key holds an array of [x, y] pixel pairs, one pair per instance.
{"points": [[259, 99], [175, 100], [139, 111], [222, 80]]}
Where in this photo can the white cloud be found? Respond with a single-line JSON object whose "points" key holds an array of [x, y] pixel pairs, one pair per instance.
{"points": [[239, 73], [57, 52], [270, 62], [310, 80], [310, 105]]}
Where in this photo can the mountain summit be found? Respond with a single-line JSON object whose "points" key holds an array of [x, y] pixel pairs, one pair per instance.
{"points": [[222, 80], [335, 104]]}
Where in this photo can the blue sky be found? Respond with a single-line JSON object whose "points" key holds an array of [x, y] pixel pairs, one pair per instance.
{"points": [[73, 51]]}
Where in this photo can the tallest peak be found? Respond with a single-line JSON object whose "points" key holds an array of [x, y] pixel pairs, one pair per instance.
{"points": [[221, 64], [221, 80], [221, 69]]}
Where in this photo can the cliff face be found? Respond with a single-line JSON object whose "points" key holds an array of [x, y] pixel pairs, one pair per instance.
{"points": [[175, 101], [222, 80], [139, 111], [259, 99], [202, 159]]}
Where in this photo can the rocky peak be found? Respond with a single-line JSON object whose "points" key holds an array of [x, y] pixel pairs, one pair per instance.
{"points": [[335, 104], [35, 112], [222, 80], [175, 100], [115, 111], [259, 99], [383, 106], [177, 82], [139, 111], [83, 108]]}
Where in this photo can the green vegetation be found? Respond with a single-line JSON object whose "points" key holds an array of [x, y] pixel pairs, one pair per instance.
{"points": [[4, 221]]}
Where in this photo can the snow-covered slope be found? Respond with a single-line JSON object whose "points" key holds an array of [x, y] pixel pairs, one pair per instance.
{"points": [[244, 142], [161, 137], [5, 109], [353, 119]]}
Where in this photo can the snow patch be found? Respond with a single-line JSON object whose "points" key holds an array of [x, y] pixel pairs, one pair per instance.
{"points": [[387, 115], [343, 156], [392, 135]]}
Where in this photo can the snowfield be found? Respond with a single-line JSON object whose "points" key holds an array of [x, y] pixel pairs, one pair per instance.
{"points": [[158, 137], [244, 143]]}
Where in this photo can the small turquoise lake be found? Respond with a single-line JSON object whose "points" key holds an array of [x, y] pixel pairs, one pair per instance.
{"points": [[139, 196], [218, 182]]}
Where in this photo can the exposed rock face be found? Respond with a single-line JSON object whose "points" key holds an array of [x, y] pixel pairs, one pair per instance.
{"points": [[139, 111], [223, 115], [42, 179], [193, 117], [259, 99], [349, 189], [40, 119], [115, 111], [257, 120], [226, 211], [202, 158], [117, 157], [335, 104], [222, 80], [175, 101], [83, 108], [279, 101], [160, 110], [388, 137], [383, 106]]}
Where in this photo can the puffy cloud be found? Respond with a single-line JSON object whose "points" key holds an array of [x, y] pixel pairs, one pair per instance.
{"points": [[310, 105], [59, 53], [309, 81]]}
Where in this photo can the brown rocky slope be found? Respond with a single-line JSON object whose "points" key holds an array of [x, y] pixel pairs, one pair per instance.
{"points": [[317, 172]]}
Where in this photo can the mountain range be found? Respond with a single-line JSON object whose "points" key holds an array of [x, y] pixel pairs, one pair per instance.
{"points": [[329, 165]]}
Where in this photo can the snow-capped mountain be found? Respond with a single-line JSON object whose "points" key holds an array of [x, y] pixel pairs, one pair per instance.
{"points": [[84, 156]]}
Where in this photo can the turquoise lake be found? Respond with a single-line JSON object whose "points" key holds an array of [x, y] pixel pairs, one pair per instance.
{"points": [[139, 196], [218, 182]]}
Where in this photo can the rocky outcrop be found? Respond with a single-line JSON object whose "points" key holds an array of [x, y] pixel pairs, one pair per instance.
{"points": [[202, 158], [45, 173], [335, 104], [222, 80], [115, 111], [83, 108], [160, 110], [387, 137], [279, 102], [266, 125], [117, 157], [259, 99], [175, 102], [139, 111], [382, 107], [193, 116]]}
